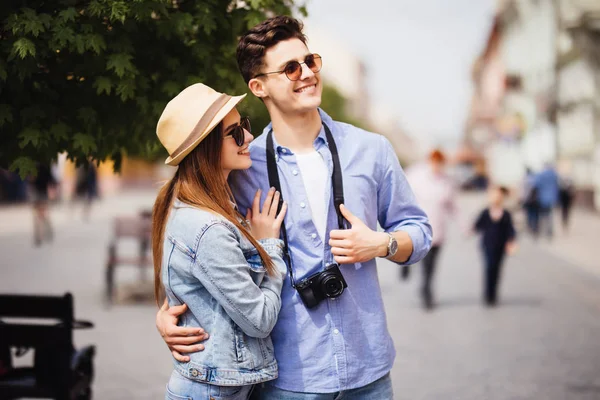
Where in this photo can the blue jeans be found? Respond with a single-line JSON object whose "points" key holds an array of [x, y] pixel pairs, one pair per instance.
{"points": [[381, 389], [545, 220], [181, 388]]}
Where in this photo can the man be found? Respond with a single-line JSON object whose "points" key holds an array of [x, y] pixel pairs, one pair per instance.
{"points": [[341, 346], [547, 186], [434, 190]]}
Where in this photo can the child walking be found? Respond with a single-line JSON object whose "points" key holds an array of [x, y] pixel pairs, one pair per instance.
{"points": [[497, 238]]}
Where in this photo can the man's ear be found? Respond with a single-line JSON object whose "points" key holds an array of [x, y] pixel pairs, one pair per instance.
{"points": [[257, 87]]}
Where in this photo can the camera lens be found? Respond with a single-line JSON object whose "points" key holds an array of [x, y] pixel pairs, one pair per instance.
{"points": [[332, 286]]}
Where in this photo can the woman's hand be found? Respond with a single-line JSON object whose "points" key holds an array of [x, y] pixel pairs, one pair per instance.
{"points": [[266, 223], [179, 339]]}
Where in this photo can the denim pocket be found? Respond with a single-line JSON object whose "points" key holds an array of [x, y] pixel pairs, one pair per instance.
{"points": [[238, 337], [172, 396], [230, 392]]}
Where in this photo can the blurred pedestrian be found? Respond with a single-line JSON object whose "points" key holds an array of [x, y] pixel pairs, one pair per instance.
{"points": [[531, 204], [497, 239], [435, 193], [42, 187], [566, 194], [86, 186], [547, 186]]}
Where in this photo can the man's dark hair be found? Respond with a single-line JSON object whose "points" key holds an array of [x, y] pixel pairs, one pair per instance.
{"points": [[504, 190], [254, 43]]}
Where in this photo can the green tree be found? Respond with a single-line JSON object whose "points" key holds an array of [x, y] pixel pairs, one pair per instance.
{"points": [[91, 77], [336, 105]]}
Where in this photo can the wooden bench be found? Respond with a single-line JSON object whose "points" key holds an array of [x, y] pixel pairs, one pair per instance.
{"points": [[59, 371], [138, 228]]}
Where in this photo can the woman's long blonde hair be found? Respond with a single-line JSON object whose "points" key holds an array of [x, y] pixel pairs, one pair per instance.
{"points": [[199, 182]]}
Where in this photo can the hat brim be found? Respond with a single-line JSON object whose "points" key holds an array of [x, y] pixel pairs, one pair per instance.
{"points": [[175, 159]]}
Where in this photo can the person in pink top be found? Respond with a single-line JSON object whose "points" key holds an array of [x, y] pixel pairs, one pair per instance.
{"points": [[435, 193]]}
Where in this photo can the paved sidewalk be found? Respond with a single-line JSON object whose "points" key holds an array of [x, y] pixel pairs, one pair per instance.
{"points": [[579, 245], [18, 219], [540, 343]]}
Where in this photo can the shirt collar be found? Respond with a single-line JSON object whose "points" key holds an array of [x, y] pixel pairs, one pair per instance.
{"points": [[321, 137]]}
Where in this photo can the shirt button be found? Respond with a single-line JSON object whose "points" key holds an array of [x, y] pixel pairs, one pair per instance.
{"points": [[336, 331], [284, 151], [303, 204], [295, 172], [314, 236]]}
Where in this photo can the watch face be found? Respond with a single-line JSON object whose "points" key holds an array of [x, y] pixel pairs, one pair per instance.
{"points": [[393, 247]]}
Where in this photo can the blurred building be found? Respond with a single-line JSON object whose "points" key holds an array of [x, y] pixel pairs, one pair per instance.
{"points": [[578, 95], [537, 92], [382, 119]]}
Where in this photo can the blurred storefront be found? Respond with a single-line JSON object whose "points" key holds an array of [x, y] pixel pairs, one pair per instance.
{"points": [[578, 116]]}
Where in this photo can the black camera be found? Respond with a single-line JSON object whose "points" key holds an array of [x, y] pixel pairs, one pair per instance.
{"points": [[329, 283]]}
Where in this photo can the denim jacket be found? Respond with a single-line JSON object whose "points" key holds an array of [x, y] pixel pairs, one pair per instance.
{"points": [[209, 265]]}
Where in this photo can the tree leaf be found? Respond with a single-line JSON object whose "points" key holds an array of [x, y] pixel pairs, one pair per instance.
{"points": [[118, 11], [171, 88], [63, 35], [103, 85], [87, 115], [59, 131], [85, 143], [23, 47], [126, 89], [3, 72], [79, 44], [68, 15], [31, 23], [31, 136], [5, 114], [13, 22], [95, 8], [25, 165], [120, 63], [95, 43]]}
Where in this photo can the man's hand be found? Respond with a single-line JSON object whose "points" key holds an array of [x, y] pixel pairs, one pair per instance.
{"points": [[358, 244], [511, 248], [179, 339]]}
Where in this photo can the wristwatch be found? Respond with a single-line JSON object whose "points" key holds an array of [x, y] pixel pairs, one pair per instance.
{"points": [[392, 246]]}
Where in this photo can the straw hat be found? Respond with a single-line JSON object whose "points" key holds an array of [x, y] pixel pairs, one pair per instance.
{"points": [[190, 117]]}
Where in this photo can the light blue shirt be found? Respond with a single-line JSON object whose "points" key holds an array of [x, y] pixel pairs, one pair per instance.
{"points": [[547, 185], [343, 343]]}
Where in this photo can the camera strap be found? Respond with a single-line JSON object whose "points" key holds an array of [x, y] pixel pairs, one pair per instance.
{"points": [[336, 183]]}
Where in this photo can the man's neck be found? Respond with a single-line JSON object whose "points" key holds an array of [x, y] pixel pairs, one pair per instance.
{"points": [[298, 131]]}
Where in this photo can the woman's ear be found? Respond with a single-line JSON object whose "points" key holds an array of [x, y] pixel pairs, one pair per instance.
{"points": [[257, 87]]}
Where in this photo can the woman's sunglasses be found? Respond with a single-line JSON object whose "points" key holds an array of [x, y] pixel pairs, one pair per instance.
{"points": [[293, 69], [237, 132]]}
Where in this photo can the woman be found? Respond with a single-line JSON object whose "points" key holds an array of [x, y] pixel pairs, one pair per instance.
{"points": [[435, 192], [205, 255]]}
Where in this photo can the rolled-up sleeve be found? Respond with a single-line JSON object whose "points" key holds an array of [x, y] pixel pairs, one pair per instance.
{"points": [[397, 207]]}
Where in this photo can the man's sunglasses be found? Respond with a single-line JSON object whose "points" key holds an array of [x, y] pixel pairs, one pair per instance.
{"points": [[293, 69], [237, 132]]}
